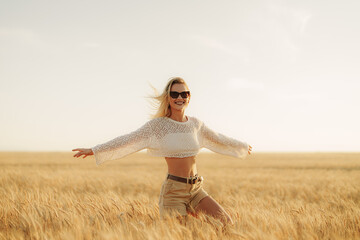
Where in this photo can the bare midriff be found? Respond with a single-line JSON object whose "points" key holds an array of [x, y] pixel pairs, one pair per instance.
{"points": [[182, 167]]}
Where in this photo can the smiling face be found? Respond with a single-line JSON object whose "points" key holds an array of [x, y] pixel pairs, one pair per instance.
{"points": [[179, 104]]}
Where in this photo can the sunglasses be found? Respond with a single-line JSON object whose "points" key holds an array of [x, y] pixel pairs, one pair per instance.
{"points": [[183, 94]]}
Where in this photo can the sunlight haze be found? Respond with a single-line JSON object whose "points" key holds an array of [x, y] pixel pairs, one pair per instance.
{"points": [[280, 75]]}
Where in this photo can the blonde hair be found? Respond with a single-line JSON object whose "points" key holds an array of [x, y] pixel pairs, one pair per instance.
{"points": [[162, 103]]}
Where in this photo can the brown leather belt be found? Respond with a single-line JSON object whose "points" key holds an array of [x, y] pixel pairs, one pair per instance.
{"points": [[190, 180]]}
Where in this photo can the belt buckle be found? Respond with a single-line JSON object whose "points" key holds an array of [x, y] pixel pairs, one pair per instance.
{"points": [[195, 179], [191, 180], [198, 179]]}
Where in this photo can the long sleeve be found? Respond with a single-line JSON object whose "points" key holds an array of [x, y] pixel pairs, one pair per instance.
{"points": [[222, 144], [123, 145]]}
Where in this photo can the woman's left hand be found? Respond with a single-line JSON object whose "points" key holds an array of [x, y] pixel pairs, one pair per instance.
{"points": [[249, 150]]}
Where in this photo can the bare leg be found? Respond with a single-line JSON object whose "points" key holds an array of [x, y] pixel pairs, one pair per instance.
{"points": [[210, 207]]}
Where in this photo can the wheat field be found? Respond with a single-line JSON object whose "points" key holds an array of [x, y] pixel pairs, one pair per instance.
{"points": [[269, 196]]}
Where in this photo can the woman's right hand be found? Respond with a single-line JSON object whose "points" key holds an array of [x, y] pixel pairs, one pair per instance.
{"points": [[83, 151]]}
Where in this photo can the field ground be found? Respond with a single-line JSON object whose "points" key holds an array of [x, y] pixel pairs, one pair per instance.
{"points": [[269, 196]]}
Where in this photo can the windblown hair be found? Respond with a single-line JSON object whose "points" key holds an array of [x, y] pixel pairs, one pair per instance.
{"points": [[162, 101]]}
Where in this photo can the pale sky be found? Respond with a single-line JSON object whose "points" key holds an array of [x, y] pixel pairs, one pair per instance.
{"points": [[280, 75]]}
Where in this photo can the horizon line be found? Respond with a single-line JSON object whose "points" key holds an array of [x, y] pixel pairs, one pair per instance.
{"points": [[203, 152]]}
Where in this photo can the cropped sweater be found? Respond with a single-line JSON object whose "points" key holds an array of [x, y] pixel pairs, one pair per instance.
{"points": [[165, 137]]}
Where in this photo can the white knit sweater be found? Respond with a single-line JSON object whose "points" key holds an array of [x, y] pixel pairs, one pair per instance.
{"points": [[165, 137]]}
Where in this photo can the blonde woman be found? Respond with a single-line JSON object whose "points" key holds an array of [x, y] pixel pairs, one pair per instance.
{"points": [[178, 138]]}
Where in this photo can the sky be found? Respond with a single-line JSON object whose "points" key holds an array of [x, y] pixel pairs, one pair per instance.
{"points": [[279, 75]]}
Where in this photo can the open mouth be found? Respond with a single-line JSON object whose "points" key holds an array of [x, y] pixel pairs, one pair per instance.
{"points": [[179, 103]]}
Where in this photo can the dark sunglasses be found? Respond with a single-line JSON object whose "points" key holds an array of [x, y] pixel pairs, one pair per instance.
{"points": [[183, 94]]}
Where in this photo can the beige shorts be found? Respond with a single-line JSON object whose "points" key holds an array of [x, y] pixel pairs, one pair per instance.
{"points": [[177, 197]]}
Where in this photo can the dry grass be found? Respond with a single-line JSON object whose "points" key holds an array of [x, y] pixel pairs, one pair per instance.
{"points": [[269, 196]]}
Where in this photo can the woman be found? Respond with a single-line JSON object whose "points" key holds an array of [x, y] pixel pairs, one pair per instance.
{"points": [[178, 138]]}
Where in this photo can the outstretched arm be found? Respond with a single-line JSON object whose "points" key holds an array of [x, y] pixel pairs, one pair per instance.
{"points": [[220, 143], [120, 146]]}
